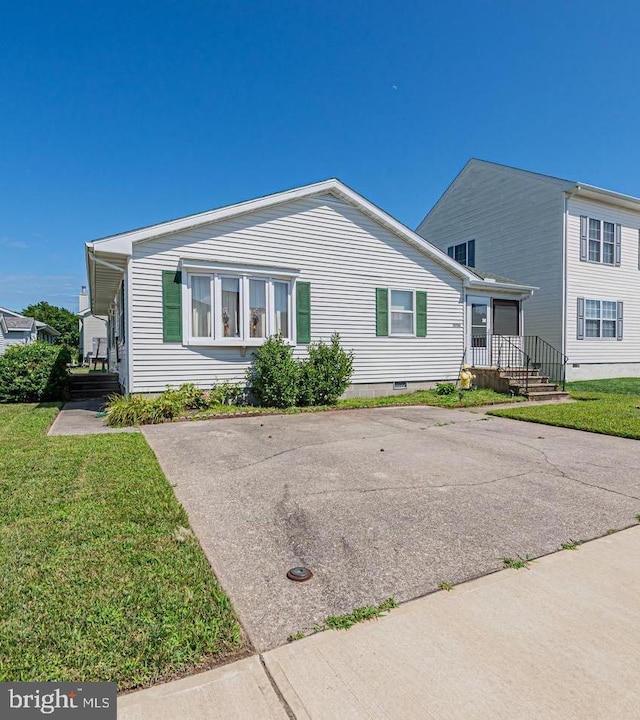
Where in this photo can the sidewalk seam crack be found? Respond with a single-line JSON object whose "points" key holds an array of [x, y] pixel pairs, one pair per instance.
{"points": [[285, 705]]}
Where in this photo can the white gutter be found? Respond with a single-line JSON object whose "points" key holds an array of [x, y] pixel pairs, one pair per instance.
{"points": [[491, 284], [565, 227]]}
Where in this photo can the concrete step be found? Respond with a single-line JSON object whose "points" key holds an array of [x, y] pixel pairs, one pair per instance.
{"points": [[536, 386], [531, 374], [550, 395], [97, 377]]}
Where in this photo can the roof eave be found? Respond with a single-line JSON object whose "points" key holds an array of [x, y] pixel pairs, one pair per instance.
{"points": [[123, 244], [508, 287], [597, 193]]}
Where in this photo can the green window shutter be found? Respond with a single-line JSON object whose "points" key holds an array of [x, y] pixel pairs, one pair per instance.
{"points": [[382, 312], [421, 313], [303, 312], [171, 306]]}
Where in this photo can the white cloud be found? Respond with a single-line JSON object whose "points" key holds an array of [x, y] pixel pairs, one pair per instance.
{"points": [[17, 291], [16, 244]]}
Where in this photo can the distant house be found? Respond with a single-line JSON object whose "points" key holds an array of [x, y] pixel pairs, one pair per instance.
{"points": [[93, 330], [16, 329], [578, 243], [189, 300]]}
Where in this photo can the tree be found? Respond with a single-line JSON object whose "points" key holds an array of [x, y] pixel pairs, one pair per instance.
{"points": [[59, 318]]}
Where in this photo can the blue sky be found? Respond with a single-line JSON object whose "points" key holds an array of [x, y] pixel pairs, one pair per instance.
{"points": [[117, 115]]}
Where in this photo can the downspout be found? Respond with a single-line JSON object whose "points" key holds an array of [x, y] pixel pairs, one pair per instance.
{"points": [[129, 321], [565, 227]]}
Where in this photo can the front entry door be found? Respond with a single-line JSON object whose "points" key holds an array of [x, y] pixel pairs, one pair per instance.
{"points": [[479, 331]]}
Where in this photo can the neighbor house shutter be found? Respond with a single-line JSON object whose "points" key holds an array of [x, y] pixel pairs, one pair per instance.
{"points": [[171, 306], [382, 311], [619, 320], [471, 253], [450, 251], [580, 330], [421, 313], [618, 250], [584, 245], [303, 312]]}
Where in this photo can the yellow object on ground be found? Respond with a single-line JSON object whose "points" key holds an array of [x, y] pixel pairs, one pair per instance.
{"points": [[466, 378]]}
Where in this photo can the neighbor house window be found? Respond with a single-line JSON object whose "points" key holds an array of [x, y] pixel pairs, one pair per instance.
{"points": [[601, 241], [600, 318], [236, 309], [401, 312], [464, 253]]}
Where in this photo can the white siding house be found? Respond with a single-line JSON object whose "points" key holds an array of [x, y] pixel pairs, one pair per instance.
{"points": [[93, 330], [526, 225], [16, 329], [189, 300]]}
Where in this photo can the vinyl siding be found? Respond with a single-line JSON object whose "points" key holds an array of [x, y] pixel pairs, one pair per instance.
{"points": [[92, 326], [343, 254], [516, 219], [603, 282], [19, 337], [2, 343]]}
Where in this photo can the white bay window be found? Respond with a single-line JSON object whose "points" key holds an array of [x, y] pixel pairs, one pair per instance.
{"points": [[243, 308]]}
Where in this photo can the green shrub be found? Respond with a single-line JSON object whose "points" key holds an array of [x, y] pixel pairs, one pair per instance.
{"points": [[446, 388], [325, 374], [34, 373], [274, 375], [224, 394]]}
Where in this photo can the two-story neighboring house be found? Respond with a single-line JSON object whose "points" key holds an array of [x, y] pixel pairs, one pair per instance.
{"points": [[579, 244]]}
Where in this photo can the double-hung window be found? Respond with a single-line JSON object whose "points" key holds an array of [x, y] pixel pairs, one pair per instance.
{"points": [[401, 311], [600, 241], [464, 253], [600, 318], [229, 308]]}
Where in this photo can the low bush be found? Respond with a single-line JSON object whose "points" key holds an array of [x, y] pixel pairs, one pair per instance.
{"points": [[34, 373], [325, 374], [274, 376], [123, 411], [446, 388]]}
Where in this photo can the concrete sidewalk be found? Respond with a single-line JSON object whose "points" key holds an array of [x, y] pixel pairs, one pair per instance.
{"points": [[560, 640], [79, 417]]}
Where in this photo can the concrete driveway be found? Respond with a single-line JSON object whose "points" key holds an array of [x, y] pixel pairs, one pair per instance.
{"points": [[384, 502]]}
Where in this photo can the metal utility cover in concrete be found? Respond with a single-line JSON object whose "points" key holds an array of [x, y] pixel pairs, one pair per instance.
{"points": [[451, 495]]}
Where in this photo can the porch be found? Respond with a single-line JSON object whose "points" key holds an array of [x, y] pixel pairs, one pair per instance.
{"points": [[518, 364]]}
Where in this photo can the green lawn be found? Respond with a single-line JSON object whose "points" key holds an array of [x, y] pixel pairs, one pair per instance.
{"points": [[99, 582], [609, 407]]}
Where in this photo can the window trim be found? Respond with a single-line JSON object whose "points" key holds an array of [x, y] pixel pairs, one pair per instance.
{"points": [[244, 275], [451, 252], [600, 319], [391, 290], [601, 243]]}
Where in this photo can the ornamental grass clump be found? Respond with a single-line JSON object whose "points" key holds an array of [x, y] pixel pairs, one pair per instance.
{"points": [[131, 410]]}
